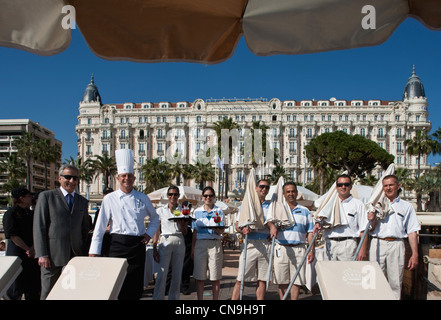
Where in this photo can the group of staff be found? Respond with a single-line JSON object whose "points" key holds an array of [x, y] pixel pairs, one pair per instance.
{"points": [[59, 229], [344, 241]]}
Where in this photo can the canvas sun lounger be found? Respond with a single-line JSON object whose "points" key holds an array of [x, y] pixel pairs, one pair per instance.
{"points": [[90, 278], [352, 280], [10, 268]]}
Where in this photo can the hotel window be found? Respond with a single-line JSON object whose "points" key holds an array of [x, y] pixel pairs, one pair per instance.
{"points": [[106, 120], [198, 119]]}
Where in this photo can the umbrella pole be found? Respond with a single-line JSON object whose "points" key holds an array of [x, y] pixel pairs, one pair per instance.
{"points": [[244, 265], [270, 264], [300, 266], [361, 241]]}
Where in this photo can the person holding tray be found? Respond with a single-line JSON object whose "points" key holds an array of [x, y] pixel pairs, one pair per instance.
{"points": [[207, 246], [171, 248]]}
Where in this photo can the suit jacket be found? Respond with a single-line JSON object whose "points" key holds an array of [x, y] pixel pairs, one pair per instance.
{"points": [[58, 232]]}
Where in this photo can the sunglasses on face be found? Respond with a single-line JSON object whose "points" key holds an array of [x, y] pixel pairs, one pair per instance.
{"points": [[262, 186], [208, 195], [68, 177], [346, 184], [173, 194]]}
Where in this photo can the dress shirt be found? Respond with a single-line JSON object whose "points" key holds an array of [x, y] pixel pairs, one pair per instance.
{"points": [[304, 223], [126, 213], [203, 219], [168, 227], [259, 234], [398, 224], [355, 212], [65, 194]]}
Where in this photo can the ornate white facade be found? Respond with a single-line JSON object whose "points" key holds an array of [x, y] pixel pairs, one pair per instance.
{"points": [[153, 129]]}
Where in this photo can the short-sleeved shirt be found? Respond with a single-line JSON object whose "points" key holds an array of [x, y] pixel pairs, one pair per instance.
{"points": [[18, 222], [304, 223], [168, 227], [399, 223], [355, 212], [204, 219], [259, 234]]}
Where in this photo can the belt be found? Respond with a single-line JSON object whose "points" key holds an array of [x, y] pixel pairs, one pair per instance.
{"points": [[341, 238], [293, 245], [387, 238], [208, 239]]}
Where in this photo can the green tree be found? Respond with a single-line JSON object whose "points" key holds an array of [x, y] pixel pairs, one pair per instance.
{"points": [[203, 173], [47, 153], [86, 168], [420, 145], [431, 183], [228, 124], [277, 172], [12, 167], [26, 149], [106, 166], [157, 174], [341, 151]]}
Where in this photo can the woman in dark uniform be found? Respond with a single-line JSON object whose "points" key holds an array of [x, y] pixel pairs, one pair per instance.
{"points": [[17, 223]]}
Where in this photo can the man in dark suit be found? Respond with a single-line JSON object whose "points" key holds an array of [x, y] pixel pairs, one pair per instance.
{"points": [[61, 226]]}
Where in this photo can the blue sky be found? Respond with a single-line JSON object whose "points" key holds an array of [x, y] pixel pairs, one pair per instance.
{"points": [[48, 89]]}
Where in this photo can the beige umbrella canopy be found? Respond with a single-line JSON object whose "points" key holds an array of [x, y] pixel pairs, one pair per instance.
{"points": [[206, 31], [190, 194]]}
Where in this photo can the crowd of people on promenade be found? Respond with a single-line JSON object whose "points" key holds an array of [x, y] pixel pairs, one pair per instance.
{"points": [[59, 226]]}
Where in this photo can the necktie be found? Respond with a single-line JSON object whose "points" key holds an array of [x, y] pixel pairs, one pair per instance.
{"points": [[69, 201]]}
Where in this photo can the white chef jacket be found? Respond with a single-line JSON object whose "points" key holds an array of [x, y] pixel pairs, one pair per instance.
{"points": [[126, 213]]}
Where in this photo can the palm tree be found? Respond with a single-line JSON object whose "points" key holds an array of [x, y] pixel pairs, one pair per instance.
{"points": [[370, 180], [47, 154], [157, 174], [26, 149], [431, 183], [404, 175], [178, 168], [203, 173], [13, 167], [419, 146], [86, 170], [104, 165], [229, 124], [278, 172]]}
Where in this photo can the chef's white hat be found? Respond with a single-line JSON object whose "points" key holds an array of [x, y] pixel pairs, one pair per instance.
{"points": [[124, 160]]}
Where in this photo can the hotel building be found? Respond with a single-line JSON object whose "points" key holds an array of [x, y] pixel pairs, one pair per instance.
{"points": [[153, 129]]}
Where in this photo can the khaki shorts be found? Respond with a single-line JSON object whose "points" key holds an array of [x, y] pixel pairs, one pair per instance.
{"points": [[286, 260], [257, 261], [208, 256]]}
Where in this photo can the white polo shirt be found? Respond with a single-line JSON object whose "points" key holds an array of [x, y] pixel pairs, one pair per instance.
{"points": [[398, 224], [168, 227], [355, 212]]}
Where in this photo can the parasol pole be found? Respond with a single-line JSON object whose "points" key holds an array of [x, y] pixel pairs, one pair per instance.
{"points": [[366, 230], [270, 264], [244, 265], [300, 266]]}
